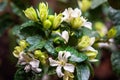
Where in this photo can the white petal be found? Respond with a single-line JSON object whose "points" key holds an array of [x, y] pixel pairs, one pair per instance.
{"points": [[66, 55], [65, 35], [90, 49], [34, 63], [103, 45], [69, 67], [92, 40], [53, 62], [27, 68], [60, 55], [93, 60], [37, 70], [78, 11], [88, 25], [59, 71]]}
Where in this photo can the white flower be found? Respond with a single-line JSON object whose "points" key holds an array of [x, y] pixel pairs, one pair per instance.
{"points": [[30, 63], [64, 35], [62, 63], [70, 13], [86, 24]]}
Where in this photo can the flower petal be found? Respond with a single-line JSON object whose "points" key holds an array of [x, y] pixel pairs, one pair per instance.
{"points": [[65, 36], [93, 60], [27, 68], [92, 40], [53, 62], [60, 55], [90, 49], [88, 25], [34, 63], [69, 67], [37, 70], [66, 55], [59, 71]]}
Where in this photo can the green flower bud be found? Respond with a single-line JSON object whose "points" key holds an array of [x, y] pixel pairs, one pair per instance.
{"points": [[84, 5], [30, 13], [51, 18], [47, 24], [112, 32], [38, 53], [23, 44], [76, 23], [57, 20], [43, 11], [91, 55], [17, 51], [84, 42]]}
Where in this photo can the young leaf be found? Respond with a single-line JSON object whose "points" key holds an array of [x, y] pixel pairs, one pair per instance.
{"points": [[83, 72]]}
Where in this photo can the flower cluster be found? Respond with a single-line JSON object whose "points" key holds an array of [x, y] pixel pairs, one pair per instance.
{"points": [[57, 40]]}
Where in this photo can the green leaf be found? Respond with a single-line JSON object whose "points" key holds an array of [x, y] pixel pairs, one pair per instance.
{"points": [[90, 33], [50, 48], [35, 42], [20, 74], [59, 49], [33, 39], [83, 72], [75, 55], [115, 59], [115, 16], [38, 45], [96, 3], [27, 24]]}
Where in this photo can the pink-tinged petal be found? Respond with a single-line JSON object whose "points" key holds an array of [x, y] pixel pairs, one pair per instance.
{"points": [[34, 63], [88, 25], [105, 45], [69, 67], [60, 55], [53, 62], [66, 55], [27, 68], [59, 71]]}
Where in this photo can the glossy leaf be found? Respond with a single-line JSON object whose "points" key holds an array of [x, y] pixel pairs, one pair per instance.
{"points": [[83, 72], [50, 48], [75, 55]]}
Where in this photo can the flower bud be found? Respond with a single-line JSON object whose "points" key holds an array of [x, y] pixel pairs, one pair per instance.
{"points": [[112, 32], [47, 24], [30, 13], [17, 51], [84, 42], [43, 11], [37, 53], [51, 18], [23, 44], [84, 5], [91, 55], [76, 23], [57, 20]]}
